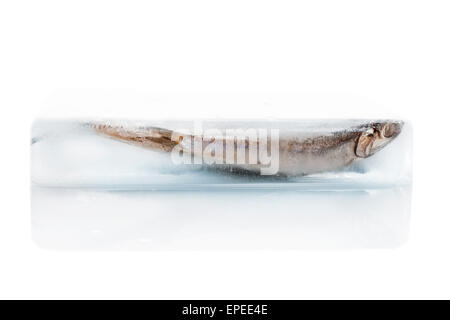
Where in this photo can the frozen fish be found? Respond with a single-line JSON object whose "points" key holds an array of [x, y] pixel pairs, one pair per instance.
{"points": [[285, 152]]}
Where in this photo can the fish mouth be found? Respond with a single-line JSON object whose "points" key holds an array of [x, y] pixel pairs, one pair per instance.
{"points": [[390, 130], [376, 136]]}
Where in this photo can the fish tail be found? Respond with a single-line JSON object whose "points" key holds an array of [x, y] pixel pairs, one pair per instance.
{"points": [[149, 137]]}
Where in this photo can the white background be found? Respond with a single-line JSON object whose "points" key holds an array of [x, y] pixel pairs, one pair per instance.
{"points": [[345, 58]]}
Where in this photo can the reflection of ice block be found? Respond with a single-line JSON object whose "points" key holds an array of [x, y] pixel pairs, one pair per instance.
{"points": [[259, 219], [78, 154]]}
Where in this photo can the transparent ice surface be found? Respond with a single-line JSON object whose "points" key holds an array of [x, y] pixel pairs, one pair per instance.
{"points": [[70, 154]]}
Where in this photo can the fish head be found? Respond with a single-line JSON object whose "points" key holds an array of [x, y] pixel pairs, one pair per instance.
{"points": [[375, 136]]}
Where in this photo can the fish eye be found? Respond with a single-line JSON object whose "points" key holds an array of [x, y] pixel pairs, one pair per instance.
{"points": [[370, 132]]}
